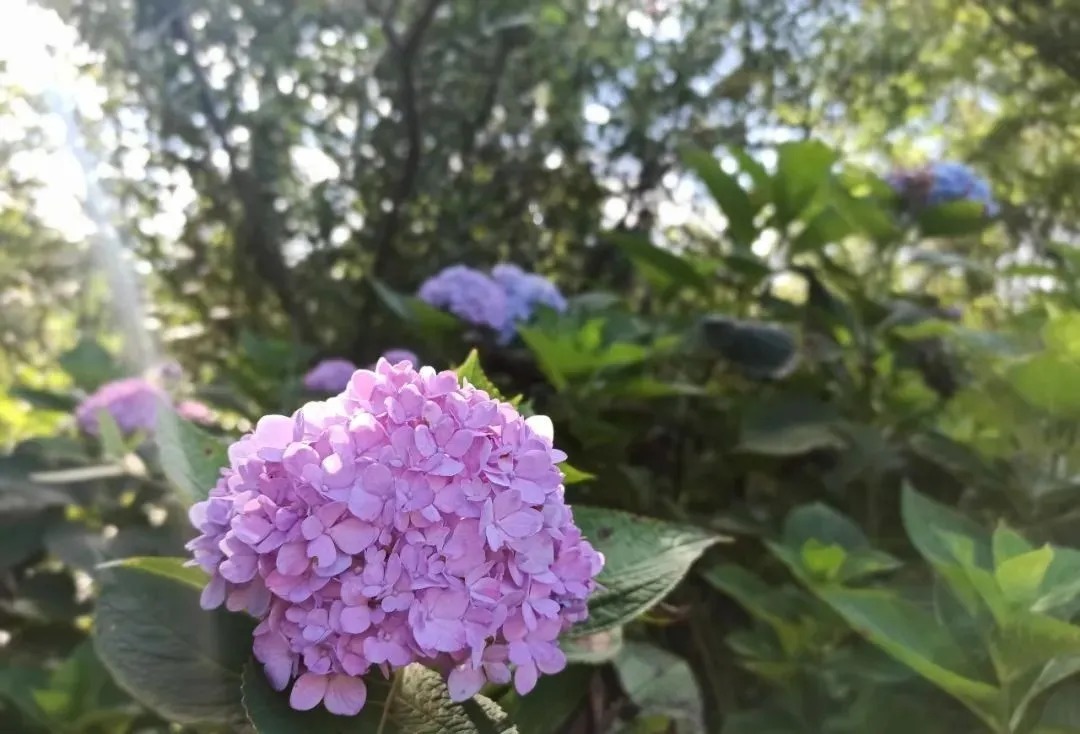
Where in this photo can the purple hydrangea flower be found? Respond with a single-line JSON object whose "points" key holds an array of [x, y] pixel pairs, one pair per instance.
{"points": [[132, 402], [941, 183], [330, 375], [524, 292], [468, 294], [393, 356], [409, 519]]}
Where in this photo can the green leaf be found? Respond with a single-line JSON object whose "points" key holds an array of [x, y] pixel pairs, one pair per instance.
{"points": [[431, 321], [660, 683], [644, 560], [1049, 382], [191, 458], [726, 191], [564, 356], [1061, 712], [89, 365], [574, 476], [1027, 640], [758, 350], [547, 708], [912, 636], [418, 704], [1052, 673], [662, 267], [112, 441], [22, 535], [802, 168], [822, 523], [45, 400], [953, 219], [160, 646], [471, 370], [927, 523], [1021, 577], [827, 227], [79, 687], [788, 425]]}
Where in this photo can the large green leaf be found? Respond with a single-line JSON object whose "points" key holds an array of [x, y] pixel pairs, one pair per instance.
{"points": [[756, 349], [191, 458], [1049, 382], [429, 320], [802, 168], [166, 651], [547, 708], [788, 425], [418, 703], [471, 370], [644, 560], [953, 219], [89, 365], [912, 635], [928, 525], [662, 267], [728, 194], [660, 684]]}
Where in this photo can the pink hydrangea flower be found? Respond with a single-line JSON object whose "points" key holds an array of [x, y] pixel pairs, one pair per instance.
{"points": [[195, 411], [408, 519], [330, 375], [132, 402]]}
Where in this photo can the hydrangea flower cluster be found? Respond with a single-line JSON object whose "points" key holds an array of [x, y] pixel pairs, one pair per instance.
{"points": [[329, 375], [507, 297], [944, 182], [408, 519], [132, 402], [393, 356], [524, 292], [468, 294], [193, 410]]}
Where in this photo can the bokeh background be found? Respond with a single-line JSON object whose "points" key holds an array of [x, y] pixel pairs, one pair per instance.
{"points": [[217, 194]]}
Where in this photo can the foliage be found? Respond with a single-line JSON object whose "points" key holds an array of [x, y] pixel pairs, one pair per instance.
{"points": [[828, 448]]}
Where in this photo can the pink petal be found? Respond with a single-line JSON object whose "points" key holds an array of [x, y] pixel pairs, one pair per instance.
{"points": [[541, 425], [448, 467], [425, 442], [311, 528], [533, 464], [459, 443], [345, 695], [354, 536], [364, 505], [322, 549], [355, 620], [377, 479], [525, 678], [464, 683], [522, 524], [308, 691], [292, 559]]}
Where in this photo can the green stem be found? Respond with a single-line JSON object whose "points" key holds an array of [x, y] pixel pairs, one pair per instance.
{"points": [[389, 702]]}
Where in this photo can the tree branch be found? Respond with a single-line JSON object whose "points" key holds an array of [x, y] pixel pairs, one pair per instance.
{"points": [[404, 52]]}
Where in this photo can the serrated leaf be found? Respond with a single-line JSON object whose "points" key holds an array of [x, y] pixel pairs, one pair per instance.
{"points": [[160, 646], [644, 560], [418, 704], [191, 458], [471, 370]]}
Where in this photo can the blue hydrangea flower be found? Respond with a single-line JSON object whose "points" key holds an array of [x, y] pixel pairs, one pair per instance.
{"points": [[524, 293], [468, 294], [944, 182]]}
